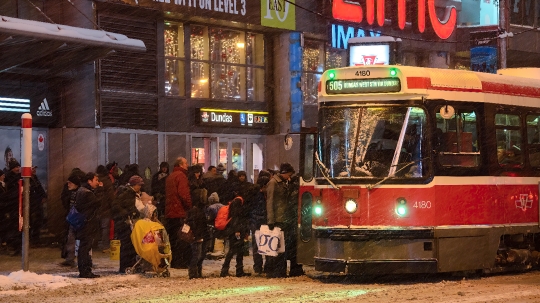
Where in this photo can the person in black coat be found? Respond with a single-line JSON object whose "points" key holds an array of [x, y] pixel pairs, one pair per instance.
{"points": [[158, 188], [37, 198], [87, 203], [237, 230], [198, 223], [256, 219], [124, 214], [10, 206]]}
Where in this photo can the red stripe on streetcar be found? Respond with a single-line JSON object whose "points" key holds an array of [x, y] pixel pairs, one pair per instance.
{"points": [[509, 89], [26, 123], [418, 82], [26, 172]]}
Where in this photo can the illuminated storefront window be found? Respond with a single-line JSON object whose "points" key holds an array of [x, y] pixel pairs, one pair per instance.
{"points": [[315, 61], [174, 59], [225, 64]]}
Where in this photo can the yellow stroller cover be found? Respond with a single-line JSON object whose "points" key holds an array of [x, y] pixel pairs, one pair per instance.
{"points": [[146, 241]]}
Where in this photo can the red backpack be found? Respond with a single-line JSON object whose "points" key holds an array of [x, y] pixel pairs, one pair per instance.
{"points": [[222, 217]]}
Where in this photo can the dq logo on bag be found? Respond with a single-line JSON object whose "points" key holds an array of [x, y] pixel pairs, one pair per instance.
{"points": [[272, 242]]}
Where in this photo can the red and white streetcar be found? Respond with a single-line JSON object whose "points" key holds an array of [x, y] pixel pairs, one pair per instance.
{"points": [[421, 170]]}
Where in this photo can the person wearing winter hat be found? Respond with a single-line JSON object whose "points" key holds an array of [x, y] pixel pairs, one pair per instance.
{"points": [[14, 165], [285, 168], [213, 198], [124, 213], [69, 192], [277, 200], [211, 213]]}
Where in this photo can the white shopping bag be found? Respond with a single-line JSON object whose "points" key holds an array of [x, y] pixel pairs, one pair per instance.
{"points": [[270, 242]]}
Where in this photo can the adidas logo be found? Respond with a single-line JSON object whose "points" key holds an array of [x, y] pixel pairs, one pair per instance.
{"points": [[44, 110]]}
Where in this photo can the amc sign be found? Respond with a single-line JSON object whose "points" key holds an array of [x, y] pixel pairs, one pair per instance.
{"points": [[373, 13], [232, 118]]}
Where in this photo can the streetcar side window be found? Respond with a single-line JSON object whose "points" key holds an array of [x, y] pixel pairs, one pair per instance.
{"points": [[456, 139], [509, 143], [533, 139]]}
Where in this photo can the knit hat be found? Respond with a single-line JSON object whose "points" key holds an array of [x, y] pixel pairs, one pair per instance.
{"points": [[286, 168], [214, 198], [13, 163], [75, 180], [220, 167], [136, 180]]}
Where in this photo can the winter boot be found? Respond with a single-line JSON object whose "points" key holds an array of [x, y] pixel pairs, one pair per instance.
{"points": [[224, 272], [192, 273], [199, 272], [296, 270]]}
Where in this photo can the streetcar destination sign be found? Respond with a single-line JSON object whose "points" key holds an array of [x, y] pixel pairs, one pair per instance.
{"points": [[363, 86]]}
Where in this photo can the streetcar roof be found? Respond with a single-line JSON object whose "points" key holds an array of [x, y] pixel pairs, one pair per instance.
{"points": [[510, 86]]}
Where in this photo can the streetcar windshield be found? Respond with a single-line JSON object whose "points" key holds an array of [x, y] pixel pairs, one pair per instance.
{"points": [[372, 142]]}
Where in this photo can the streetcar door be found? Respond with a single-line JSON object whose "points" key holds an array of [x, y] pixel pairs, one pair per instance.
{"points": [[305, 240]]}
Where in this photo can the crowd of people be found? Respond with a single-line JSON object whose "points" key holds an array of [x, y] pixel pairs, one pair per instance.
{"points": [[9, 207], [184, 196]]}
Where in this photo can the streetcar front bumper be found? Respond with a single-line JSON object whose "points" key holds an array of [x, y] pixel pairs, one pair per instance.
{"points": [[375, 251]]}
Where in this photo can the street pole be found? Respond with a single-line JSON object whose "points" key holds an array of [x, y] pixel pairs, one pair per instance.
{"points": [[26, 174], [504, 26]]}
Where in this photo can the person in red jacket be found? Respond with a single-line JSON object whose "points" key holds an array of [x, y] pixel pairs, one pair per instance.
{"points": [[177, 204]]}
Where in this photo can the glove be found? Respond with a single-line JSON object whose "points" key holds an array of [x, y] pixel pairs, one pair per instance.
{"points": [[271, 226]]}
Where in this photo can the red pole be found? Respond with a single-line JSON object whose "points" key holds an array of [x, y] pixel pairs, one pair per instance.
{"points": [[26, 174]]}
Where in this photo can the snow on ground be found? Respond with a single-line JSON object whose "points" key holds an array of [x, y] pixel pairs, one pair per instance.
{"points": [[48, 281]]}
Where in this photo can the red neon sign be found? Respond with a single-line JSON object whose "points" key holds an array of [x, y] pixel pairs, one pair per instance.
{"points": [[353, 12]]}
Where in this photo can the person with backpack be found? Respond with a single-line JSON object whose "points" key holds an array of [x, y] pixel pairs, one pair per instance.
{"points": [[87, 204], [236, 230]]}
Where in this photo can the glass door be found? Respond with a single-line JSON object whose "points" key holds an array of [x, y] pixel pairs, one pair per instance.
{"points": [[204, 151]]}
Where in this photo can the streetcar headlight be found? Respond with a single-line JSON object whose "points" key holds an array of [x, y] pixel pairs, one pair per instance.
{"points": [[351, 206], [401, 207], [317, 209]]}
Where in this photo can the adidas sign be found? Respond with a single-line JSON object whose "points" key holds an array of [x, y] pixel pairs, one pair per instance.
{"points": [[44, 110]]}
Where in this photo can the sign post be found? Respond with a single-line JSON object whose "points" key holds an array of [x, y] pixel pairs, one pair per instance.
{"points": [[26, 174]]}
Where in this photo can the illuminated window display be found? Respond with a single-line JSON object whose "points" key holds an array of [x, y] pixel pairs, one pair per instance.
{"points": [[174, 59], [315, 61], [225, 64]]}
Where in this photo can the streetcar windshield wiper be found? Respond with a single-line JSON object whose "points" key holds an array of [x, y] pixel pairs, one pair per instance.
{"points": [[324, 170], [405, 165]]}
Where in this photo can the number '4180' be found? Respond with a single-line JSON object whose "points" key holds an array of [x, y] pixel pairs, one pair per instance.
{"points": [[422, 204], [363, 73]]}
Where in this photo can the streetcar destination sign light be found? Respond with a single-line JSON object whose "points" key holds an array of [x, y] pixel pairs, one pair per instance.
{"points": [[363, 86]]}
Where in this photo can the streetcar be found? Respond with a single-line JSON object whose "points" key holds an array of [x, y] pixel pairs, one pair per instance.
{"points": [[422, 170]]}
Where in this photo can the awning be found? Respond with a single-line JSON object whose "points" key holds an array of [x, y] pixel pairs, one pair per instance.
{"points": [[37, 48]]}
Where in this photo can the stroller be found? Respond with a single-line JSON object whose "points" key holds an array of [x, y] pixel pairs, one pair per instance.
{"points": [[151, 243]]}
